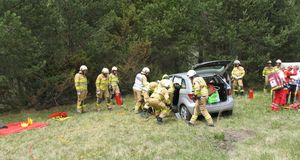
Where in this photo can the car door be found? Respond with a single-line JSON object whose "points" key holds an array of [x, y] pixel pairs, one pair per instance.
{"points": [[181, 89]]}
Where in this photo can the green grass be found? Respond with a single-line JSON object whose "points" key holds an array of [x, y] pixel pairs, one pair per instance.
{"points": [[252, 132]]}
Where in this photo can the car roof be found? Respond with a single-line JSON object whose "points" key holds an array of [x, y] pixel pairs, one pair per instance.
{"points": [[204, 73]]}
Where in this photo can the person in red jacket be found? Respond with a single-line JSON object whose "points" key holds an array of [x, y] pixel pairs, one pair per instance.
{"points": [[291, 86], [279, 96]]}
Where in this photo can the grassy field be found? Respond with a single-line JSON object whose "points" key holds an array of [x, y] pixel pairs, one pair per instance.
{"points": [[252, 132]]}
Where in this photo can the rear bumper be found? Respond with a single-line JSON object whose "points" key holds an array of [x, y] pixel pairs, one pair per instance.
{"points": [[215, 108]]}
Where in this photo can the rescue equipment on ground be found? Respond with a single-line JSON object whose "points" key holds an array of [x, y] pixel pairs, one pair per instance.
{"points": [[26, 124], [119, 99], [251, 94], [59, 116]]}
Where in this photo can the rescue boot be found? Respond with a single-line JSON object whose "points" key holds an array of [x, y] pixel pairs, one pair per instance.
{"points": [[145, 113], [79, 110], [275, 107], [236, 93], [189, 123], [159, 120], [210, 124], [242, 94], [83, 110]]}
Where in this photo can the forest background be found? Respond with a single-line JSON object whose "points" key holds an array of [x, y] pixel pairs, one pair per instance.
{"points": [[44, 42]]}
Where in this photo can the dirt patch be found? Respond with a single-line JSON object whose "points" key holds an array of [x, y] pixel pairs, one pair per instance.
{"points": [[238, 135], [232, 136]]}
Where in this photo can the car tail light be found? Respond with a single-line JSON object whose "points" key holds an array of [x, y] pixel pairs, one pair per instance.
{"points": [[191, 96], [229, 92]]}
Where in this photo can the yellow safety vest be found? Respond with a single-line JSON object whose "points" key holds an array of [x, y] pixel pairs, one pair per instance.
{"points": [[238, 72], [80, 81], [200, 87], [114, 80], [102, 82], [267, 71]]}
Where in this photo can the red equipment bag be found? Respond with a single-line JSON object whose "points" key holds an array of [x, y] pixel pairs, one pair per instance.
{"points": [[275, 81], [118, 99], [211, 89], [251, 94]]}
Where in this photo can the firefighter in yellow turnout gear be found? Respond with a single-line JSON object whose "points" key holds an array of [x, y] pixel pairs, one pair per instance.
{"points": [[266, 72], [102, 92], [200, 96], [140, 84], [171, 88], [160, 101], [80, 81], [237, 75], [114, 81], [277, 68], [147, 92]]}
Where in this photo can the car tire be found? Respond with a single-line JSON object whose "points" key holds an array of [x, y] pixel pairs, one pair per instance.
{"points": [[227, 113], [185, 113]]}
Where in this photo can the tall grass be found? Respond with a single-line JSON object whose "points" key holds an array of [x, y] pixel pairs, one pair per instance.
{"points": [[252, 132]]}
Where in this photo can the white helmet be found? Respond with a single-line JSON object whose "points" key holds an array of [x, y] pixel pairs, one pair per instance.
{"points": [[83, 68], [165, 83], [236, 62], [105, 70], [114, 68], [145, 70], [278, 61], [191, 73]]}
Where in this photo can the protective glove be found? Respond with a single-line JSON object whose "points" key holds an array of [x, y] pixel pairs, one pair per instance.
{"points": [[110, 88], [195, 98], [98, 92]]}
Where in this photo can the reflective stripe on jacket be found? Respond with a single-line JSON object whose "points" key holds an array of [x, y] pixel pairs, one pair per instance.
{"points": [[140, 82], [102, 82], [114, 80], [80, 81], [267, 71], [200, 87], [161, 94], [238, 72]]}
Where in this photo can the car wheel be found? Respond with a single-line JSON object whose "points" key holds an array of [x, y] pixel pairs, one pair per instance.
{"points": [[227, 113], [185, 113]]}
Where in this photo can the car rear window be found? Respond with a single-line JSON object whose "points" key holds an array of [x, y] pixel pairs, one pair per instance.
{"points": [[216, 79]]}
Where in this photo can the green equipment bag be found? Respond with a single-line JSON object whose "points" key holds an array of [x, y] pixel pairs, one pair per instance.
{"points": [[214, 98]]}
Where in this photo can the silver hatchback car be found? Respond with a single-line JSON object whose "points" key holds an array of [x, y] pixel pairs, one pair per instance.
{"points": [[214, 72]]}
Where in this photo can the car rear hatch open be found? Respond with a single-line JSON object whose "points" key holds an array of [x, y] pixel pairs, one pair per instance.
{"points": [[217, 67]]}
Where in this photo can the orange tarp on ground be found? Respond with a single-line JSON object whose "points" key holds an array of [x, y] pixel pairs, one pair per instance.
{"points": [[16, 127]]}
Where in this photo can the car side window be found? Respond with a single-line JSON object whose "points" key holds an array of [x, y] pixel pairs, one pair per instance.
{"points": [[183, 84], [180, 81]]}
